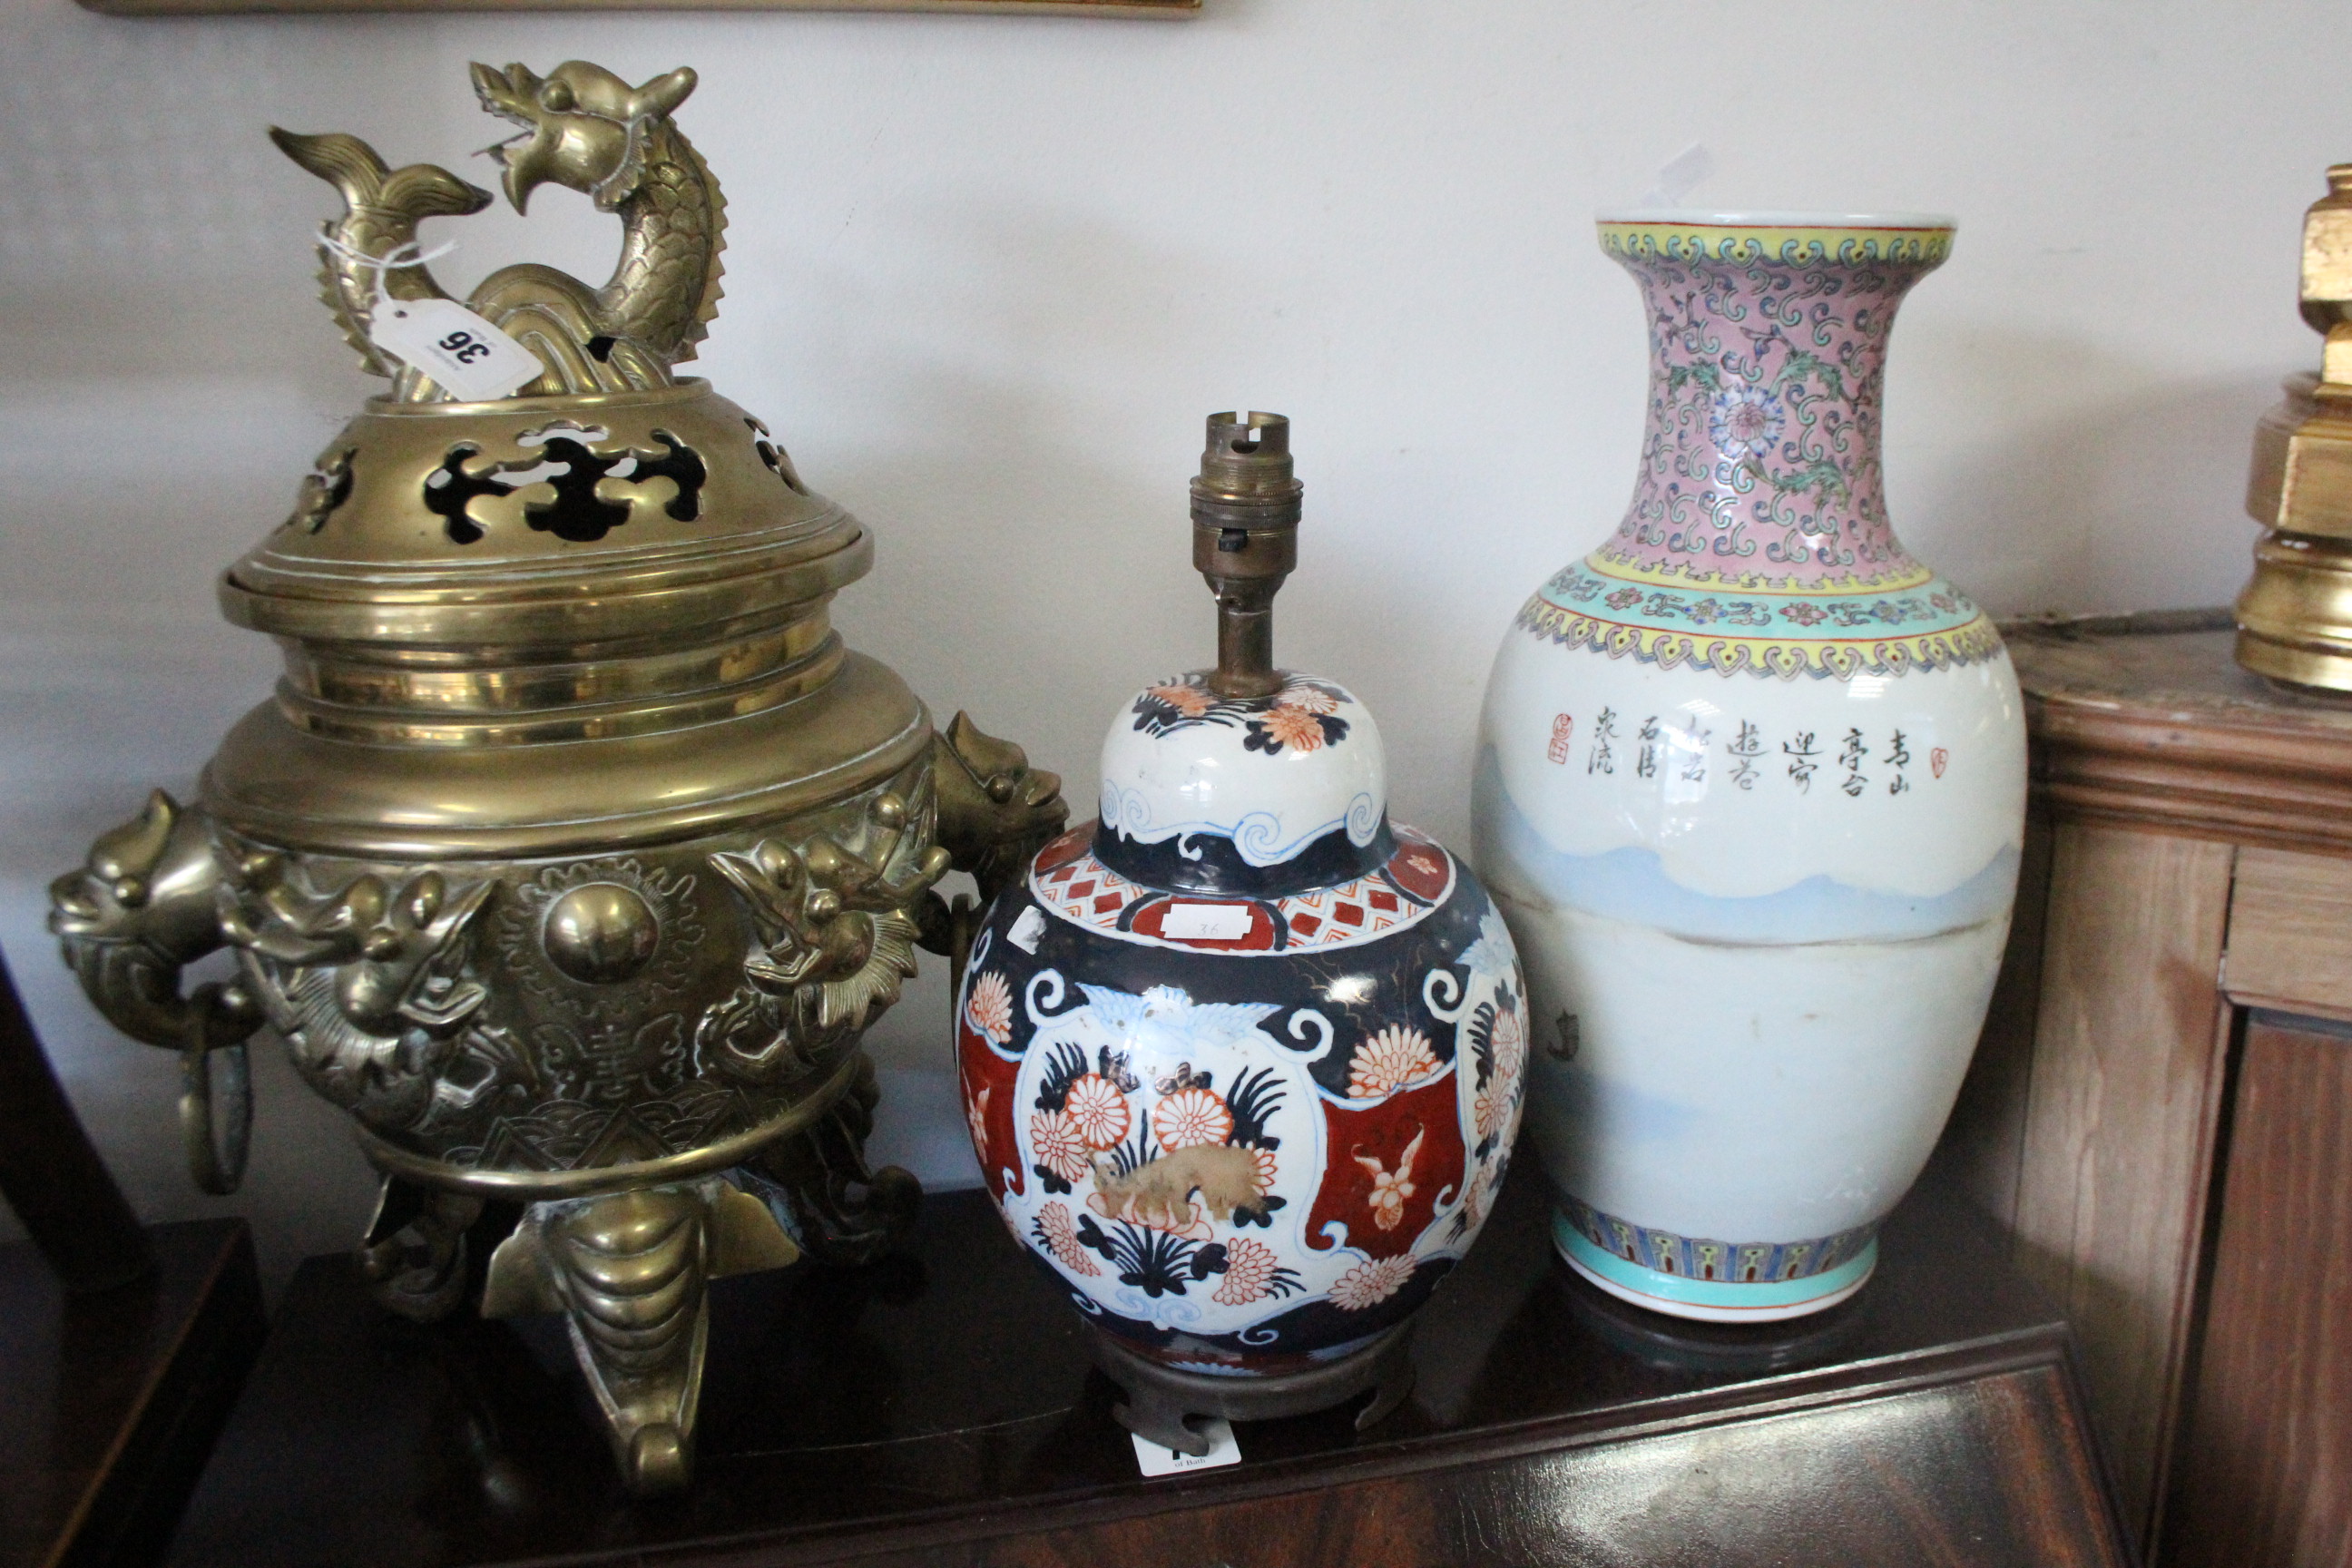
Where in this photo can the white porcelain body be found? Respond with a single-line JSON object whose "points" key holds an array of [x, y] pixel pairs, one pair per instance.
{"points": [[1271, 776], [1775, 992], [1758, 865]]}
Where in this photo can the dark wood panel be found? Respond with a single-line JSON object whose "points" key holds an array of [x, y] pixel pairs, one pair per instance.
{"points": [[51, 1174], [938, 1408], [2266, 1472], [110, 1400], [1983, 1472]]}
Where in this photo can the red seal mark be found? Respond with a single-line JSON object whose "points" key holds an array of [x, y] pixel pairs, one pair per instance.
{"points": [[1560, 727], [1937, 758]]}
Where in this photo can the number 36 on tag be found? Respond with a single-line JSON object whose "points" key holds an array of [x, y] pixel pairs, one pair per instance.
{"points": [[455, 347]]}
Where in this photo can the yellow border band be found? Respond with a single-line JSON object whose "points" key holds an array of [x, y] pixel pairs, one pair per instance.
{"points": [[1765, 243]]}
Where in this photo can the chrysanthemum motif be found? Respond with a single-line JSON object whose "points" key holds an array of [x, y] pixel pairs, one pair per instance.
{"points": [[1249, 1269], [1054, 1223], [990, 1008], [1188, 699], [1266, 1168], [1191, 1116], [1510, 1042], [1099, 1109], [1370, 1283], [1292, 727], [1486, 1108], [1308, 700], [1745, 420], [975, 1114], [1388, 1061], [1060, 1147]]}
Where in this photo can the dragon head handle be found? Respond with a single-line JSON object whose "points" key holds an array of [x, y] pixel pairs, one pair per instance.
{"points": [[584, 127]]}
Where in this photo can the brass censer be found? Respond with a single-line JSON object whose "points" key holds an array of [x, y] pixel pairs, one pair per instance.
{"points": [[574, 853]]}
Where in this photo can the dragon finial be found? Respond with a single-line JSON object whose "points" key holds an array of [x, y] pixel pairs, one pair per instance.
{"points": [[583, 128]]}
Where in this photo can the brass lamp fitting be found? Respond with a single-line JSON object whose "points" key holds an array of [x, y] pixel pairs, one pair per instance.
{"points": [[1246, 507], [2295, 617]]}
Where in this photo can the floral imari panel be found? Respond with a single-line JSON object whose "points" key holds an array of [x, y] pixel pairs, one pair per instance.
{"points": [[1245, 1162]]}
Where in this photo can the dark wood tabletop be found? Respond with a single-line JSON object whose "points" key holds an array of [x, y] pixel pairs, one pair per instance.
{"points": [[108, 1399], [939, 1408]]}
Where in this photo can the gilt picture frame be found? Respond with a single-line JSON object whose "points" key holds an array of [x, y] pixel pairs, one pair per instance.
{"points": [[1165, 9]]}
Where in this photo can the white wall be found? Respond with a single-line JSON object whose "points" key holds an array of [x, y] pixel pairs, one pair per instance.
{"points": [[986, 276]]}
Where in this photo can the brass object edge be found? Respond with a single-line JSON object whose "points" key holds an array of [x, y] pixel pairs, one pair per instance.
{"points": [[2299, 664], [396, 608], [583, 721], [452, 682], [2295, 617], [544, 1186], [596, 834]]}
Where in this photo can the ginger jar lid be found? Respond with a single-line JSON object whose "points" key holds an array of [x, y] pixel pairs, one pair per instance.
{"points": [[1244, 794], [1245, 779]]}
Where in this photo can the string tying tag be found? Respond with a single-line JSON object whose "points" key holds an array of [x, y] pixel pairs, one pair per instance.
{"points": [[475, 360]]}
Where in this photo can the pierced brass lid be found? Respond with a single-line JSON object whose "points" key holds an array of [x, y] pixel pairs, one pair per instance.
{"points": [[591, 613]]}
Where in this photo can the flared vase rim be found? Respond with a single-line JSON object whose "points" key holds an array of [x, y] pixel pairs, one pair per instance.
{"points": [[1738, 219]]}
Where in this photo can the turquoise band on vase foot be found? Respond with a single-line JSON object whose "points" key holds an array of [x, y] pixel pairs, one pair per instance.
{"points": [[1713, 1301]]}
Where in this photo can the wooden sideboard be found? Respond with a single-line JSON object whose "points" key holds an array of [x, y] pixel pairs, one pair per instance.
{"points": [[938, 1410], [2161, 1110]]}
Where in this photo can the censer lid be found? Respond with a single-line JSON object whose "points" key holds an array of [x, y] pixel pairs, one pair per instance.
{"points": [[1244, 778], [570, 517], [608, 498], [588, 615]]}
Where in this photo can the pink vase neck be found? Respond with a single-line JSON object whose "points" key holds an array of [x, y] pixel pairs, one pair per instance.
{"points": [[1761, 452]]}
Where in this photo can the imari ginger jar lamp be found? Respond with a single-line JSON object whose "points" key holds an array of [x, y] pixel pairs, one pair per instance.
{"points": [[574, 853], [1244, 1060], [1751, 791]]}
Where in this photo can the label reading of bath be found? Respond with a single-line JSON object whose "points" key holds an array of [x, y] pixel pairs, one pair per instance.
{"points": [[1206, 922], [1157, 1459], [455, 347]]}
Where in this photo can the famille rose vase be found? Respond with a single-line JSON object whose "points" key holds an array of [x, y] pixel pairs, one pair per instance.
{"points": [[1751, 791], [1244, 1060]]}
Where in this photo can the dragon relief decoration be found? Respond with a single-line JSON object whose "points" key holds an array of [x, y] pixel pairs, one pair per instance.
{"points": [[370, 985], [583, 128], [574, 869], [835, 941]]}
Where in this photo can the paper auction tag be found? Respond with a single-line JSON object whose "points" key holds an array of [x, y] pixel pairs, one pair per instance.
{"points": [[1028, 931], [1156, 1459], [473, 359], [1206, 922]]}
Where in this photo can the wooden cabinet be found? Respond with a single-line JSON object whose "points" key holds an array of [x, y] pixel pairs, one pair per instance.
{"points": [[2162, 1106]]}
